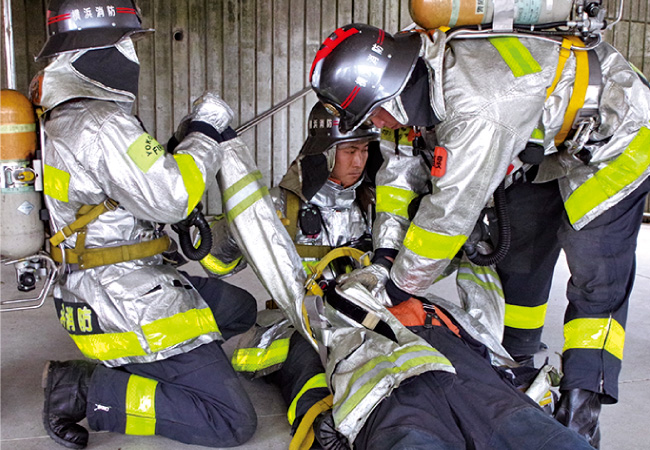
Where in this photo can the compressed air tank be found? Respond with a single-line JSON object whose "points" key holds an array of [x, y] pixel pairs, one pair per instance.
{"points": [[22, 231], [431, 14]]}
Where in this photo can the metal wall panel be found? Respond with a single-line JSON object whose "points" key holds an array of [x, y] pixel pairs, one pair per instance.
{"points": [[255, 54]]}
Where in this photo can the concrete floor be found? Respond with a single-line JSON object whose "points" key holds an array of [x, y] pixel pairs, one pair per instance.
{"points": [[29, 338]]}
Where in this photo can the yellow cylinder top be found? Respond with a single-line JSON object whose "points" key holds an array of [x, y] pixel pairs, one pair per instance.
{"points": [[17, 126]]}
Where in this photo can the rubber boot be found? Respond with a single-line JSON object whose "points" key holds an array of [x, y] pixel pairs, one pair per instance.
{"points": [[66, 390], [326, 434], [525, 360], [579, 409]]}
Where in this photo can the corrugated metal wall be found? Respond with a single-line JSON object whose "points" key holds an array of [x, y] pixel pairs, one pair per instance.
{"points": [[255, 53]]}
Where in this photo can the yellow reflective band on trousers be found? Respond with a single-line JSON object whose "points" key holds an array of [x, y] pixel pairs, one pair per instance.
{"points": [[238, 197], [605, 334], [160, 334], [372, 372], [516, 56], [317, 381], [611, 179], [181, 327], [525, 317], [218, 267], [483, 276], [254, 359], [56, 183], [140, 406], [432, 245], [192, 179], [394, 200]]}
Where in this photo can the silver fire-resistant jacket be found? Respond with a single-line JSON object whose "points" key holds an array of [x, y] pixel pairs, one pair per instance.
{"points": [[94, 148], [489, 110]]}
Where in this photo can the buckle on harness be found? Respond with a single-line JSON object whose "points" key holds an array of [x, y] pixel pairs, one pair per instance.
{"points": [[431, 315]]}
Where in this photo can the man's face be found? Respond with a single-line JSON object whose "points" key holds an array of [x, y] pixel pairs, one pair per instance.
{"points": [[350, 162], [383, 119]]}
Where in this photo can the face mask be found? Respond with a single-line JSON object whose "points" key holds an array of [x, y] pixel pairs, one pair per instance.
{"points": [[115, 67]]}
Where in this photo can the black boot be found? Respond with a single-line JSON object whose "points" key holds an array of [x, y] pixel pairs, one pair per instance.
{"points": [[66, 390], [579, 409]]}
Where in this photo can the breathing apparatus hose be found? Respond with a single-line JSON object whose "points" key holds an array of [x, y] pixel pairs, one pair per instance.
{"points": [[196, 219], [503, 244]]}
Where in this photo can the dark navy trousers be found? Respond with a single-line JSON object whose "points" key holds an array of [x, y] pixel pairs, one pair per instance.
{"points": [[199, 398]]}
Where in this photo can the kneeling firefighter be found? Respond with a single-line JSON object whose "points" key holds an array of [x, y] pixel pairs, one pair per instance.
{"points": [[109, 186], [480, 104]]}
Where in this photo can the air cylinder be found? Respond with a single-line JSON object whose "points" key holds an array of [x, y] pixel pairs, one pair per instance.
{"points": [[22, 231], [430, 14]]}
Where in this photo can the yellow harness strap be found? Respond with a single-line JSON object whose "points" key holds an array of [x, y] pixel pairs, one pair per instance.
{"points": [[580, 84], [311, 285], [304, 436], [87, 258], [85, 215]]}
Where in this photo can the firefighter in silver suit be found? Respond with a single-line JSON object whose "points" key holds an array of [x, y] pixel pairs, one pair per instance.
{"points": [[480, 104], [109, 186]]}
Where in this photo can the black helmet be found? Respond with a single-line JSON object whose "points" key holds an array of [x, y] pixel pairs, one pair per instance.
{"points": [[360, 66], [324, 132], [82, 24]]}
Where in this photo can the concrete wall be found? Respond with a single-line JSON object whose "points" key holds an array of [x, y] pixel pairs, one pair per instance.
{"points": [[255, 53]]}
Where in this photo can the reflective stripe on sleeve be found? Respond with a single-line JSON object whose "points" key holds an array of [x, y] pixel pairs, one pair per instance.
{"points": [[140, 406], [394, 200], [611, 179], [484, 276], [317, 381], [516, 56], [372, 372], [432, 245], [238, 197], [254, 359], [216, 266], [192, 179], [525, 317], [108, 346], [604, 333], [56, 183]]}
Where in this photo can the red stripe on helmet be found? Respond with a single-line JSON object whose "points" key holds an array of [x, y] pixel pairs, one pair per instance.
{"points": [[58, 18], [330, 44], [351, 97], [126, 11], [380, 37]]}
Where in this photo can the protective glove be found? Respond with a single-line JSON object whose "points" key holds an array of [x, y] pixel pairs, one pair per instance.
{"points": [[210, 115], [374, 276], [211, 109]]}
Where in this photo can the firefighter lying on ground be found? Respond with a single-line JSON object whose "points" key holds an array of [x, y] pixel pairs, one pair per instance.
{"points": [[431, 385], [479, 104], [156, 333]]}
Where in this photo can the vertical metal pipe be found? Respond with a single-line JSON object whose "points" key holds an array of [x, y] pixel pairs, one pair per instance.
{"points": [[9, 56]]}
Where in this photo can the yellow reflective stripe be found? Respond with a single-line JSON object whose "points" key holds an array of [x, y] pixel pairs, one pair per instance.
{"points": [[432, 245], [192, 179], [604, 333], [525, 317], [609, 180], [140, 406], [238, 197], [108, 346], [218, 267], [516, 56], [254, 359], [394, 200], [367, 376], [56, 183], [170, 331], [317, 381], [484, 281], [17, 128]]}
